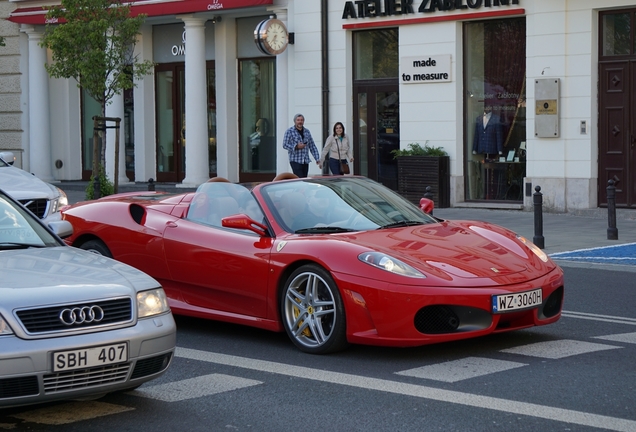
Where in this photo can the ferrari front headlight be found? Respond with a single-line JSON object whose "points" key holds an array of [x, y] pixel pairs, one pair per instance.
{"points": [[390, 264], [534, 248], [153, 302], [4, 327]]}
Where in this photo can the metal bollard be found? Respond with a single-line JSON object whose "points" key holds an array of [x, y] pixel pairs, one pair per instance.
{"points": [[428, 194], [96, 188], [612, 231], [151, 184], [537, 201]]}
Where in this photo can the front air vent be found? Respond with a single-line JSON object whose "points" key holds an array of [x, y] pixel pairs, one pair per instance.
{"points": [[37, 206], [18, 387], [554, 303], [436, 319], [85, 378], [47, 319], [151, 366]]}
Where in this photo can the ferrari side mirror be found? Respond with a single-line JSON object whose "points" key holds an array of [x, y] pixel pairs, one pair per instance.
{"points": [[427, 205]]}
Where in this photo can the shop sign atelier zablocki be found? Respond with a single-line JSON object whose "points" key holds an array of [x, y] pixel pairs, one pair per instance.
{"points": [[376, 8], [425, 69]]}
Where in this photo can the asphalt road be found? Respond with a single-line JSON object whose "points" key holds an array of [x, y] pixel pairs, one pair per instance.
{"points": [[575, 375]]}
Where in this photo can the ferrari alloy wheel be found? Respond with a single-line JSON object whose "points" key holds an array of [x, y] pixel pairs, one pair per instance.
{"points": [[97, 247], [313, 313]]}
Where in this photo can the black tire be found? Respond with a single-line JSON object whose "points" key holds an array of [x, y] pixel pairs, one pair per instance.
{"points": [[312, 311], [97, 247]]}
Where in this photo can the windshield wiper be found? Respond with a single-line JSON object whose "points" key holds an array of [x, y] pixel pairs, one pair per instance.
{"points": [[402, 224], [13, 245], [323, 230]]}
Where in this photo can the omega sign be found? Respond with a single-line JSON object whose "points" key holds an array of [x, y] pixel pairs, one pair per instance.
{"points": [[425, 69], [376, 8], [179, 50]]}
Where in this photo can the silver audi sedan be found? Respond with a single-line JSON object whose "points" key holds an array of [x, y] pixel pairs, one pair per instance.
{"points": [[73, 324]]}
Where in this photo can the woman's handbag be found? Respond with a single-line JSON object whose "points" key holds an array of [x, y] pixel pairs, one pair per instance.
{"points": [[344, 166]]}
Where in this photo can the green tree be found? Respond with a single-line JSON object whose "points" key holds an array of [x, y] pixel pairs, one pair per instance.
{"points": [[94, 44]]}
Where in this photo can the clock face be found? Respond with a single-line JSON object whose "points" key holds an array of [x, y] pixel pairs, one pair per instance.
{"points": [[276, 36], [271, 36]]}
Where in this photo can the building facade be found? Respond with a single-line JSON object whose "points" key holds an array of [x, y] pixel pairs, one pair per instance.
{"points": [[519, 93]]}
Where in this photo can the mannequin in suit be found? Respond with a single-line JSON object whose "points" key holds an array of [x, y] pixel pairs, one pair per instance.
{"points": [[488, 141], [488, 134]]}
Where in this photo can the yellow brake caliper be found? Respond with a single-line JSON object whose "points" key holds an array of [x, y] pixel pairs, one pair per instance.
{"points": [[306, 332]]}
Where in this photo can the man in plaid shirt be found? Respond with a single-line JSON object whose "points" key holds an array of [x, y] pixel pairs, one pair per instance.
{"points": [[298, 142]]}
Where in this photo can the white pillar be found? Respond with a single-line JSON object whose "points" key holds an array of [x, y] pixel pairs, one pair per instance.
{"points": [[227, 138], [196, 159], [115, 109], [144, 122], [39, 122], [283, 119]]}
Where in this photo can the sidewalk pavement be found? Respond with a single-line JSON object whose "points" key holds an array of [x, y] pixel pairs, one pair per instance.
{"points": [[562, 232]]}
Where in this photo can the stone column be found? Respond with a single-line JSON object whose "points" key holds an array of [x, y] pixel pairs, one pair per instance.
{"points": [[283, 118], [196, 151], [40, 156]]}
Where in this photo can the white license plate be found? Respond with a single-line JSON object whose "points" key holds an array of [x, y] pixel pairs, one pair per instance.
{"points": [[522, 300], [90, 357]]}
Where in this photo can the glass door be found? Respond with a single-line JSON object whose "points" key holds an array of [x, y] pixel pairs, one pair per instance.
{"points": [[170, 112], [377, 132], [171, 121]]}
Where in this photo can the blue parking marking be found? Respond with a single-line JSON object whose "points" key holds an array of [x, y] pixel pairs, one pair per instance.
{"points": [[621, 254]]}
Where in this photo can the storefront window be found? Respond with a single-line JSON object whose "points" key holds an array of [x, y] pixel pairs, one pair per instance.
{"points": [[258, 116], [495, 109], [211, 118], [129, 133], [376, 54], [616, 34]]}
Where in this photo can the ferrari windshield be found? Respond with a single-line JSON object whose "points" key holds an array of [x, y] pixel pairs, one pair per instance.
{"points": [[339, 204]]}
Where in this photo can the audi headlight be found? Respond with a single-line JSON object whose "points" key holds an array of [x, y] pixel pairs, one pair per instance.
{"points": [[534, 248], [390, 264], [153, 302], [4, 327]]}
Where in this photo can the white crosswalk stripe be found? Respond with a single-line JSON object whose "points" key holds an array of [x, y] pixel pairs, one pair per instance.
{"points": [[623, 337], [194, 387], [558, 349], [458, 370], [418, 391]]}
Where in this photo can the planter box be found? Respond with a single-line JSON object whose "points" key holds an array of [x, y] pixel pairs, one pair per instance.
{"points": [[415, 173]]}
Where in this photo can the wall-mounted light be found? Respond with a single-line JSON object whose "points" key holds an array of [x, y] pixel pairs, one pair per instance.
{"points": [[216, 19]]}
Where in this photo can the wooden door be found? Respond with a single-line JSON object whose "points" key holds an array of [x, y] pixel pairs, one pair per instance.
{"points": [[617, 131]]}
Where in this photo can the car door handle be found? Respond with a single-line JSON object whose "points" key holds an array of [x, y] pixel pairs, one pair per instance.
{"points": [[171, 224]]}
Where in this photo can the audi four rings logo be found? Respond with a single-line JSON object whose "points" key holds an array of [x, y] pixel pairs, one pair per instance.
{"points": [[81, 315]]}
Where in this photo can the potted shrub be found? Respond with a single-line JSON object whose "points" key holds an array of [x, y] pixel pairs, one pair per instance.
{"points": [[421, 166]]}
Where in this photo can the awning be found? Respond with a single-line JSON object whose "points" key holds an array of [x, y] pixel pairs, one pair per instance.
{"points": [[36, 15]]}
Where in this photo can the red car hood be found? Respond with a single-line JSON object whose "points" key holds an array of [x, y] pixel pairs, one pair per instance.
{"points": [[464, 249]]}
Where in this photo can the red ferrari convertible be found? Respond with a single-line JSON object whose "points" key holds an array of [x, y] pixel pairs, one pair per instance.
{"points": [[331, 260]]}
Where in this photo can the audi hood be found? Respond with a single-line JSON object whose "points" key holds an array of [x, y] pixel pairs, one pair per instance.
{"points": [[33, 277]]}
